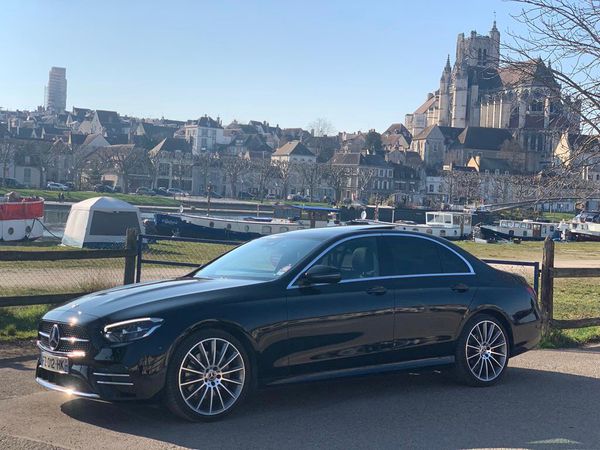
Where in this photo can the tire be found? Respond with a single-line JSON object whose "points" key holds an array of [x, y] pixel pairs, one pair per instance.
{"points": [[210, 374], [482, 352]]}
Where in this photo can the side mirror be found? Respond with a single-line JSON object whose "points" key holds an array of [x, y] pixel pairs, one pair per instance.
{"points": [[321, 274]]}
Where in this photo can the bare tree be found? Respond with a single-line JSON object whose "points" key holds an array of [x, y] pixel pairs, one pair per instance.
{"points": [[7, 153], [285, 172], [125, 160], [321, 127], [234, 167], [264, 173], [205, 161], [364, 177], [311, 175], [337, 177]]}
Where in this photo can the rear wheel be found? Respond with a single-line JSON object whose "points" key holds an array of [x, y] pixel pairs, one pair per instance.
{"points": [[482, 351], [208, 377]]}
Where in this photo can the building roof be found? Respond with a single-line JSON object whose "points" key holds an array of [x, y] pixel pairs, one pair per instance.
{"points": [[205, 122], [295, 148], [484, 138], [426, 105], [529, 72], [108, 117], [171, 145], [491, 164]]}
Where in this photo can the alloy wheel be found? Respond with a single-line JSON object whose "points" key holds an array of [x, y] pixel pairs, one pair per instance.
{"points": [[211, 376], [486, 350]]}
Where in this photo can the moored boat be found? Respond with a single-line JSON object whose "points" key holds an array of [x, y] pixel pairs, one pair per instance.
{"points": [[585, 226], [21, 218], [525, 230], [288, 218], [447, 224]]}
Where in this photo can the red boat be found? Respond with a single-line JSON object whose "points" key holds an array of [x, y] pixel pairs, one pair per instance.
{"points": [[21, 218]]}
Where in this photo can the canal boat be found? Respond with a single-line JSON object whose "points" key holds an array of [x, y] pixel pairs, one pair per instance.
{"points": [[452, 225], [286, 218], [585, 226], [524, 230], [21, 218]]}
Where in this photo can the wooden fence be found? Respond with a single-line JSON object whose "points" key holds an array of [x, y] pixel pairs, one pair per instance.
{"points": [[548, 274], [129, 253]]}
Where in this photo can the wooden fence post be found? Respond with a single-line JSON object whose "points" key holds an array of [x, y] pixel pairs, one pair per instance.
{"points": [[547, 285], [131, 246]]}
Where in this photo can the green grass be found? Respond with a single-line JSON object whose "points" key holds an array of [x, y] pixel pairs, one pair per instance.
{"points": [[574, 298], [20, 322], [77, 196]]}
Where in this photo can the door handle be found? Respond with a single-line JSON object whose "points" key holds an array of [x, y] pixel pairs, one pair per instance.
{"points": [[460, 287], [376, 290]]}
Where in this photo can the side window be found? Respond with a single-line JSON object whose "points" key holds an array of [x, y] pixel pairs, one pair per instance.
{"points": [[418, 256], [355, 258]]}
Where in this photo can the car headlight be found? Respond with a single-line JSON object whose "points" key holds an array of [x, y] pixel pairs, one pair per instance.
{"points": [[130, 330]]}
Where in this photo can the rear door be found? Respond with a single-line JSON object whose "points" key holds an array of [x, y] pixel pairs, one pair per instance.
{"points": [[433, 286]]}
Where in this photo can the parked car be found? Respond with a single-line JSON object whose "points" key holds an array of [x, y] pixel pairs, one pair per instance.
{"points": [[144, 191], [243, 195], [177, 191], [302, 305], [297, 198], [52, 186], [270, 197], [117, 189], [11, 183], [162, 191], [103, 188], [70, 185]]}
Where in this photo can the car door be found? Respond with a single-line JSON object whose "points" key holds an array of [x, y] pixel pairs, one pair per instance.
{"points": [[433, 286], [345, 324]]}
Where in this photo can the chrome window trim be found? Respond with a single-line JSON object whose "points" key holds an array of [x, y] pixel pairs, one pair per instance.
{"points": [[386, 277]]}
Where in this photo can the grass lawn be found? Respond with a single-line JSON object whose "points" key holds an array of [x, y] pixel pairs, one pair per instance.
{"points": [[77, 196]]}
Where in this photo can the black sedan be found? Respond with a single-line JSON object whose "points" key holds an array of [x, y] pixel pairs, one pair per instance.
{"points": [[297, 306]]}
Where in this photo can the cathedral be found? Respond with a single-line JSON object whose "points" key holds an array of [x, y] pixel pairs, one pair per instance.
{"points": [[478, 91]]}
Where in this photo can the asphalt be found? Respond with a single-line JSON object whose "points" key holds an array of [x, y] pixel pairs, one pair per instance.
{"points": [[548, 399]]}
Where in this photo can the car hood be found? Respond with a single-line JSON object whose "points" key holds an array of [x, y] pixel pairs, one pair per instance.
{"points": [[150, 296]]}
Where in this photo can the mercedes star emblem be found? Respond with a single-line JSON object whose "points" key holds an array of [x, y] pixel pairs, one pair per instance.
{"points": [[54, 338]]}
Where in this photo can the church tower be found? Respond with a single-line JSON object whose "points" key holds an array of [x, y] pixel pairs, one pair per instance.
{"points": [[444, 99]]}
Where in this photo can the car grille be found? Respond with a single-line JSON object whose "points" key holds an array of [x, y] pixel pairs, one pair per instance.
{"points": [[73, 337]]}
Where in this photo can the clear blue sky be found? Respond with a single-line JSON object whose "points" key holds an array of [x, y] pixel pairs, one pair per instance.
{"points": [[360, 64]]}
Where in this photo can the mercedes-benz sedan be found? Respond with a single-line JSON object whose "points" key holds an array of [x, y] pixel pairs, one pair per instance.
{"points": [[297, 306]]}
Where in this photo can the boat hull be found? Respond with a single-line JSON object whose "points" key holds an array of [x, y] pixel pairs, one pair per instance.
{"points": [[20, 230], [489, 233], [173, 225]]}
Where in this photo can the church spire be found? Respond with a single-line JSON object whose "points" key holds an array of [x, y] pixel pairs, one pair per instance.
{"points": [[448, 68]]}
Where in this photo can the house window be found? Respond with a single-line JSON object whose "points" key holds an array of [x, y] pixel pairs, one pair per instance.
{"points": [[431, 188], [27, 175]]}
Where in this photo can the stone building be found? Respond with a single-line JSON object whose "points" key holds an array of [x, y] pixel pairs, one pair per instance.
{"points": [[477, 91]]}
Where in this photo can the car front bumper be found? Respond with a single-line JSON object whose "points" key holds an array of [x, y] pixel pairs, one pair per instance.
{"points": [[106, 376]]}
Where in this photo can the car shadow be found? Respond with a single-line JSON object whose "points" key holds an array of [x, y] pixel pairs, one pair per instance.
{"points": [[527, 409]]}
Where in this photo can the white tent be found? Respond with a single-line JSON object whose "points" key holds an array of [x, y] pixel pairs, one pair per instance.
{"points": [[100, 222]]}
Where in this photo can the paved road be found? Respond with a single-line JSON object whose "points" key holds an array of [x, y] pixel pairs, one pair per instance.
{"points": [[549, 399]]}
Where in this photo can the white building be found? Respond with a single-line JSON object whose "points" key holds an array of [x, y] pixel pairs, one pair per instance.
{"points": [[204, 134]]}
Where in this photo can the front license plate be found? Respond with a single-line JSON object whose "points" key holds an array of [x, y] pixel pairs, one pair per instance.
{"points": [[58, 364]]}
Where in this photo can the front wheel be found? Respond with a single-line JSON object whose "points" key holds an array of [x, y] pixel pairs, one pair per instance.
{"points": [[209, 375], [482, 351]]}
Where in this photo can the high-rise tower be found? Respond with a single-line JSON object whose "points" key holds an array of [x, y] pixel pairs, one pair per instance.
{"points": [[56, 90]]}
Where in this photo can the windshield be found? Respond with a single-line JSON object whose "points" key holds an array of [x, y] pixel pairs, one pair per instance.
{"points": [[266, 258]]}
